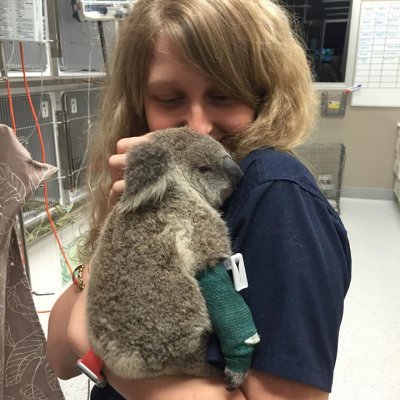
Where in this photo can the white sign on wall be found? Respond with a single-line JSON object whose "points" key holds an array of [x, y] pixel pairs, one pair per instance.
{"points": [[377, 66], [21, 20]]}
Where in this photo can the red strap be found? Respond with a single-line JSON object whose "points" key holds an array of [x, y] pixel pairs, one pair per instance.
{"points": [[91, 365]]}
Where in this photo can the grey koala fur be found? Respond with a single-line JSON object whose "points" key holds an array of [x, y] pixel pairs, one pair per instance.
{"points": [[146, 314]]}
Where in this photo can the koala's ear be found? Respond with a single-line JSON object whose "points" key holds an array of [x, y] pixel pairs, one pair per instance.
{"points": [[146, 176]]}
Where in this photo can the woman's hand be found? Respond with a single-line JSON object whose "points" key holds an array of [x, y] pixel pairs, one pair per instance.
{"points": [[117, 164]]}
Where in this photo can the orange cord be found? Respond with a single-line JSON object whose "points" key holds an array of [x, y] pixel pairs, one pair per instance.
{"points": [[11, 106], [39, 131]]}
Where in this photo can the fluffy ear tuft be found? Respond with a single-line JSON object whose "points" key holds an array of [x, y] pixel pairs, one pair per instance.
{"points": [[146, 176]]}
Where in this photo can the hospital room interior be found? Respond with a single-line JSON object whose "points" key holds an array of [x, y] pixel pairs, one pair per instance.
{"points": [[54, 57]]}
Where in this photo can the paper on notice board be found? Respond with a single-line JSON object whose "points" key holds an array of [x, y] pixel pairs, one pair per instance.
{"points": [[21, 20], [377, 66]]}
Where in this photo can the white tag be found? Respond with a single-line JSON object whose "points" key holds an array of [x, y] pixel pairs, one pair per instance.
{"points": [[45, 109], [74, 106], [236, 264]]}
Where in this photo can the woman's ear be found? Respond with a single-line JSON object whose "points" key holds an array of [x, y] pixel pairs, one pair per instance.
{"points": [[146, 176]]}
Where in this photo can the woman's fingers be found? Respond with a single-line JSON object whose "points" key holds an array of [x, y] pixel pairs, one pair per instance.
{"points": [[117, 161], [123, 145], [116, 166], [115, 193]]}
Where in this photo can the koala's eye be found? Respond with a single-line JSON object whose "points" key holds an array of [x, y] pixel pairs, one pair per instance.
{"points": [[204, 168]]}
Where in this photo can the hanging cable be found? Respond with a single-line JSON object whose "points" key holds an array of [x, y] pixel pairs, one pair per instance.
{"points": [[43, 151], [11, 106]]}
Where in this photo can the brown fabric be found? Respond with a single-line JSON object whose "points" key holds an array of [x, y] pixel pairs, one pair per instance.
{"points": [[24, 371]]}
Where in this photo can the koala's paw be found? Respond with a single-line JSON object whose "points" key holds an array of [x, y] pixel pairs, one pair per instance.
{"points": [[234, 379]]}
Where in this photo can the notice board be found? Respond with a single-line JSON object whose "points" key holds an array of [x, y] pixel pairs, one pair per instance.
{"points": [[377, 61], [21, 20]]}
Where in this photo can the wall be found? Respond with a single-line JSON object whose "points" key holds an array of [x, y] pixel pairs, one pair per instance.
{"points": [[369, 134]]}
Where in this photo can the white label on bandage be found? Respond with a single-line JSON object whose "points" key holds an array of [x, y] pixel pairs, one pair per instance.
{"points": [[236, 264]]}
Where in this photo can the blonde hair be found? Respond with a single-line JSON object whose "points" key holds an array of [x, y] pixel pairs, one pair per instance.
{"points": [[245, 46]]}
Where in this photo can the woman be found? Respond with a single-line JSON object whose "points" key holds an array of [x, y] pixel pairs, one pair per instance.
{"points": [[232, 69]]}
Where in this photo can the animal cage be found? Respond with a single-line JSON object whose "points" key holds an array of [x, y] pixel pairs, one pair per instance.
{"points": [[35, 56], [80, 108], [68, 152], [27, 135], [326, 161], [80, 41]]}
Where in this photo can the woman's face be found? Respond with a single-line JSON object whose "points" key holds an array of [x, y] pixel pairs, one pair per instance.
{"points": [[178, 94]]}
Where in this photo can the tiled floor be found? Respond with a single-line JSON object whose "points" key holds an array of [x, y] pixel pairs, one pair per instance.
{"points": [[368, 364]]}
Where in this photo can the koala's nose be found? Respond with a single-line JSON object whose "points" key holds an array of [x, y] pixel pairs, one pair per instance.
{"points": [[233, 171]]}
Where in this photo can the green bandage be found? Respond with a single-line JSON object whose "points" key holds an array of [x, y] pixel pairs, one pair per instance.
{"points": [[230, 317]]}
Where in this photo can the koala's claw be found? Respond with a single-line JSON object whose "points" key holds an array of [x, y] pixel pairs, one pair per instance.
{"points": [[253, 340], [234, 379]]}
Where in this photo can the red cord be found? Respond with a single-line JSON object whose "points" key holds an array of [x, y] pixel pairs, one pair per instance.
{"points": [[39, 131], [11, 106]]}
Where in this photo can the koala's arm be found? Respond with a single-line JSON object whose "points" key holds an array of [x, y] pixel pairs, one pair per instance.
{"points": [[210, 239], [232, 322]]}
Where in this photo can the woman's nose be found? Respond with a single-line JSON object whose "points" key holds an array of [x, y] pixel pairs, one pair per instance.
{"points": [[199, 120]]}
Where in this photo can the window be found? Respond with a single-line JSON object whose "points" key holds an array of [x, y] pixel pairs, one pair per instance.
{"points": [[324, 26]]}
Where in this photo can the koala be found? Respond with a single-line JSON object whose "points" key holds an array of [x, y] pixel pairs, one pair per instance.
{"points": [[146, 314]]}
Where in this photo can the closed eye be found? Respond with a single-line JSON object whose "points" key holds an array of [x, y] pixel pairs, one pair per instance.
{"points": [[204, 169], [222, 99], [170, 100]]}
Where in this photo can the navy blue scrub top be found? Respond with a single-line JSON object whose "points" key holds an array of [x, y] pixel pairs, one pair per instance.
{"points": [[298, 266]]}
